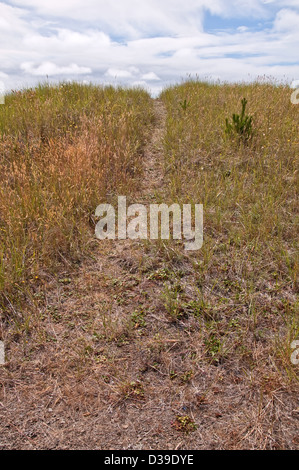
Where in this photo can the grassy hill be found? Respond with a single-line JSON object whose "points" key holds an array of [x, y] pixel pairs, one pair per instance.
{"points": [[140, 344]]}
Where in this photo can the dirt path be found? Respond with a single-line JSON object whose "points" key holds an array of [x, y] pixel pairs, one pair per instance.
{"points": [[153, 161]]}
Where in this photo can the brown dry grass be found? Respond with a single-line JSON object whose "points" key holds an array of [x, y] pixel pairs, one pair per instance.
{"points": [[63, 151], [143, 346]]}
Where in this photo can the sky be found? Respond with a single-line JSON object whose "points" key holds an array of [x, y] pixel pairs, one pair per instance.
{"points": [[151, 43]]}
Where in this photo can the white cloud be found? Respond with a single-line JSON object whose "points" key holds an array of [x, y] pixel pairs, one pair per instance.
{"points": [[287, 20], [139, 18], [65, 39], [283, 3], [242, 29], [118, 73], [129, 18], [50, 69], [151, 76], [11, 18], [146, 41], [3, 76]]}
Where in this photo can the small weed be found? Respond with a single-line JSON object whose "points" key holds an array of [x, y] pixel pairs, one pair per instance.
{"points": [[138, 319], [88, 350], [134, 391], [173, 375], [213, 345], [122, 340], [184, 424], [65, 281], [193, 355], [162, 274], [173, 302], [187, 376], [184, 105], [202, 399], [195, 308], [54, 312], [106, 379]]}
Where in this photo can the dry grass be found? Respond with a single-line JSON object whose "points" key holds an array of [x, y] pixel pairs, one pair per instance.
{"points": [[248, 267], [146, 346], [63, 151]]}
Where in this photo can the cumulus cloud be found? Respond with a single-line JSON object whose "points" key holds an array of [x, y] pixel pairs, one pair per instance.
{"points": [[129, 18], [136, 18], [151, 76], [287, 20], [147, 42], [118, 73], [50, 69], [65, 39]]}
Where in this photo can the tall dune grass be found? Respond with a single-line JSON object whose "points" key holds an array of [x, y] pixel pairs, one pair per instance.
{"points": [[63, 150], [249, 261]]}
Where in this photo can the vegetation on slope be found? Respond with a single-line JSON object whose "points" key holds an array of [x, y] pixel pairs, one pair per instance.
{"points": [[142, 345], [248, 266], [64, 150]]}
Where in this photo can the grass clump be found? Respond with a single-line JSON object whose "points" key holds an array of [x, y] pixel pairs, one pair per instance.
{"points": [[185, 424], [133, 391]]}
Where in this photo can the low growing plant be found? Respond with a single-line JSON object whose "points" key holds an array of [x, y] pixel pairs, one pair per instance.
{"points": [[241, 125]]}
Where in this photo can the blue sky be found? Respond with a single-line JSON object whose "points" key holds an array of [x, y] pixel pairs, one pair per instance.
{"points": [[151, 43]]}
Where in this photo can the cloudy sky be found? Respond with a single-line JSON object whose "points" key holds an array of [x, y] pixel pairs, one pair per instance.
{"points": [[147, 42]]}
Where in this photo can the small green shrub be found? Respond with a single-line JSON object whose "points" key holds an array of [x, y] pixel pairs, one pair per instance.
{"points": [[184, 105], [241, 125]]}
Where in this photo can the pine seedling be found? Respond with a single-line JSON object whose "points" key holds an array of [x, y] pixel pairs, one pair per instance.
{"points": [[241, 125]]}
